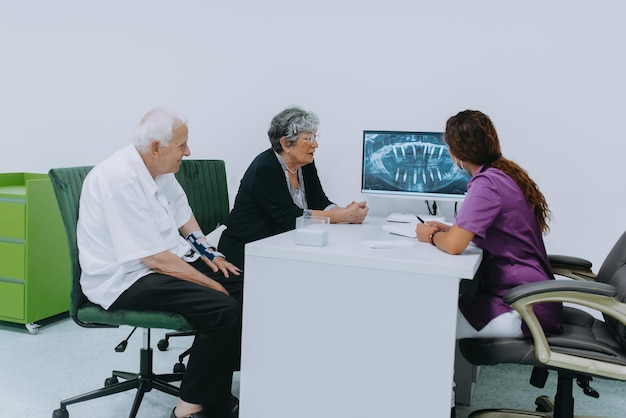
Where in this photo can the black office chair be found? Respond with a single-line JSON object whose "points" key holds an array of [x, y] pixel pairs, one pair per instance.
{"points": [[67, 184], [204, 182], [587, 348]]}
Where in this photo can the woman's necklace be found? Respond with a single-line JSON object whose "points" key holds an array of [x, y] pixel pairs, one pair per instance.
{"points": [[291, 171]]}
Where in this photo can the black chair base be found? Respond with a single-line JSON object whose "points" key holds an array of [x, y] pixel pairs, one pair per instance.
{"points": [[561, 407], [144, 381], [164, 343]]}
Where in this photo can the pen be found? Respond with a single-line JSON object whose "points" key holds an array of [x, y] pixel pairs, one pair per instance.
{"points": [[419, 219]]}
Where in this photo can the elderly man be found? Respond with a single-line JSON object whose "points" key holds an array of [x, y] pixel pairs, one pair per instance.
{"points": [[132, 214]]}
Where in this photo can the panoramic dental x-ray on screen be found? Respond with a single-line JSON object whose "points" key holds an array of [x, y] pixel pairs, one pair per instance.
{"points": [[414, 164]]}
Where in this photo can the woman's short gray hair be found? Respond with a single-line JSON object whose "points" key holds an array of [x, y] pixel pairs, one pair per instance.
{"points": [[157, 124], [289, 123]]}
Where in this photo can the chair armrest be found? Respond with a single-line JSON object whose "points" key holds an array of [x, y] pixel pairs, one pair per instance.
{"points": [[573, 267], [598, 296], [549, 287], [568, 260], [593, 295]]}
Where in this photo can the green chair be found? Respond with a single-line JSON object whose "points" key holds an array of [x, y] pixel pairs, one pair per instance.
{"points": [[200, 178], [204, 182]]}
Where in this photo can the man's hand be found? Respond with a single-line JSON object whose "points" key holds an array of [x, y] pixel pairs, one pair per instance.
{"points": [[169, 263], [220, 263]]}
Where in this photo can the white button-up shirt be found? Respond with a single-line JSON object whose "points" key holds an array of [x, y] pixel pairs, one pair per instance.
{"points": [[124, 216]]}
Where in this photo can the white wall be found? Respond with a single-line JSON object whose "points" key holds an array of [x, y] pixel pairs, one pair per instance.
{"points": [[76, 76]]}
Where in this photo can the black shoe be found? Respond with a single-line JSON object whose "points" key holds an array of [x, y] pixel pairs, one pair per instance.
{"points": [[200, 414], [453, 413], [234, 406]]}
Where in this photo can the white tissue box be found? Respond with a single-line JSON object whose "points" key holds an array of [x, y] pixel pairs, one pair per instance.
{"points": [[312, 231]]}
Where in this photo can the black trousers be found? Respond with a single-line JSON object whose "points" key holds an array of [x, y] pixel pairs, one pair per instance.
{"points": [[216, 349]]}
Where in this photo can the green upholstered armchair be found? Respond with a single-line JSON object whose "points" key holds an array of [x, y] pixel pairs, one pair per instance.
{"points": [[588, 347], [205, 182]]}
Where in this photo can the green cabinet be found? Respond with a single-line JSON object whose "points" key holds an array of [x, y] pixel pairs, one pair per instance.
{"points": [[34, 258]]}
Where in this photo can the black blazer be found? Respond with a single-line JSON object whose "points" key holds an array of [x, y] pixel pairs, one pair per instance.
{"points": [[263, 206]]}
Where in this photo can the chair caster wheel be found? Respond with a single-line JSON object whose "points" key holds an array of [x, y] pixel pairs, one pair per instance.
{"points": [[60, 413], [179, 368], [32, 328], [163, 344], [544, 404], [110, 381]]}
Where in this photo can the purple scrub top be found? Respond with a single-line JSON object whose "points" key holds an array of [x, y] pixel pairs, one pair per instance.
{"points": [[505, 228]]}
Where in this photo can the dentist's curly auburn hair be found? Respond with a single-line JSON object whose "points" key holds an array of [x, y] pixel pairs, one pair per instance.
{"points": [[472, 137]]}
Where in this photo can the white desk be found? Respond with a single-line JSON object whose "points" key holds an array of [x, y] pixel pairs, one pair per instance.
{"points": [[345, 331]]}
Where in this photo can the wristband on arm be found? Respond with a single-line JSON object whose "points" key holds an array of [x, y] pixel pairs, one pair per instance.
{"points": [[432, 236], [202, 247]]}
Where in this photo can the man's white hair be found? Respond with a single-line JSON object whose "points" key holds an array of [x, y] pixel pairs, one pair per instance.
{"points": [[158, 125]]}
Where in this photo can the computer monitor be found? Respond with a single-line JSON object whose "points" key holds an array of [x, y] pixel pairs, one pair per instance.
{"points": [[410, 164]]}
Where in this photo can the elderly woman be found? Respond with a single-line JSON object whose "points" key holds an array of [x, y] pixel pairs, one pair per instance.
{"points": [[280, 185]]}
